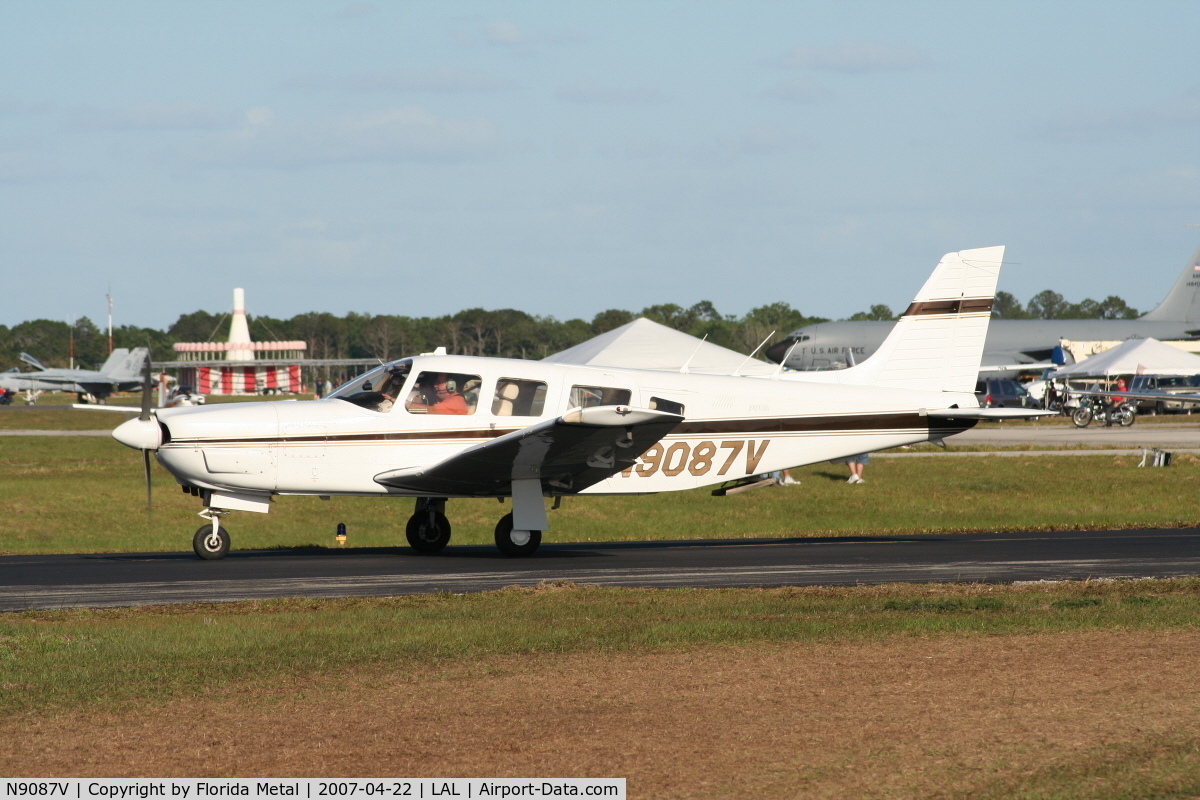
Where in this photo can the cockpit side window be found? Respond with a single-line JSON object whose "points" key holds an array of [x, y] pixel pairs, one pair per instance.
{"points": [[519, 398], [669, 406], [444, 393], [378, 389], [588, 396]]}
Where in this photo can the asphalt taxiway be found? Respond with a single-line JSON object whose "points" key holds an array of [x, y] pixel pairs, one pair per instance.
{"points": [[113, 580]]}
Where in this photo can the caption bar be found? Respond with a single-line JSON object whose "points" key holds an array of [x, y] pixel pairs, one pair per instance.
{"points": [[345, 789]]}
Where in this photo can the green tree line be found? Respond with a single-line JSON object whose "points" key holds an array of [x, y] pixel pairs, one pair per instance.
{"points": [[506, 332]]}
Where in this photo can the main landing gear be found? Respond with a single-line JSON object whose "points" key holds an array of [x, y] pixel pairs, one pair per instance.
{"points": [[428, 530], [517, 534]]}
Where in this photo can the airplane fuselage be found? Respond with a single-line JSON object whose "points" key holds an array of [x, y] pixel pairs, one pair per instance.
{"points": [[733, 427]]}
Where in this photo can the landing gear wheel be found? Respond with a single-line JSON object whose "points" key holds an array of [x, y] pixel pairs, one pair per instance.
{"points": [[210, 546], [426, 532], [515, 543], [1082, 417]]}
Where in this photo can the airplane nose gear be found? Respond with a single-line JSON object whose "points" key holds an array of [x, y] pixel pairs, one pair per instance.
{"points": [[515, 542], [428, 530], [211, 541]]}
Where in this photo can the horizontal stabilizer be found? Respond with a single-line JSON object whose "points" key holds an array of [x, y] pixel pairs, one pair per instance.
{"points": [[568, 454], [987, 413]]}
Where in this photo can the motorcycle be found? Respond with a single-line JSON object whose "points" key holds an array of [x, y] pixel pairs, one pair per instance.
{"points": [[6, 397], [1098, 409]]}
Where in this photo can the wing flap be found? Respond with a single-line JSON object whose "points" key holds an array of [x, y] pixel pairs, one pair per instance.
{"points": [[568, 454]]}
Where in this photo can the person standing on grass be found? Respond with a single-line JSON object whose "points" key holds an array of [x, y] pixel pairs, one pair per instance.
{"points": [[856, 464]]}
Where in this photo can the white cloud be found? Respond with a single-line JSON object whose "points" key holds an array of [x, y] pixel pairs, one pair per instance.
{"points": [[801, 90], [1094, 124], [445, 79], [24, 161], [11, 106], [507, 34], [153, 116], [765, 140], [408, 133], [854, 58], [357, 10], [585, 92], [504, 33]]}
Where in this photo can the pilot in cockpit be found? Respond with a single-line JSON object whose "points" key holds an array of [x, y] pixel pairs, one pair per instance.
{"points": [[437, 393]]}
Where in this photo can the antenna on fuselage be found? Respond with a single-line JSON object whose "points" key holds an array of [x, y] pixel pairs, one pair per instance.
{"points": [[684, 368], [760, 344], [782, 361]]}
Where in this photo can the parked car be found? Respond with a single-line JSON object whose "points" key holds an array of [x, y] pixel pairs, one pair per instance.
{"points": [[998, 393], [1171, 384]]}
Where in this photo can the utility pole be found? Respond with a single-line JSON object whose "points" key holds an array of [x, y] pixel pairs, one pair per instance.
{"points": [[71, 341], [109, 298]]}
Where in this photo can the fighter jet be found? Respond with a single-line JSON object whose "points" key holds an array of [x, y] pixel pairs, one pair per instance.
{"points": [[830, 345], [120, 373]]}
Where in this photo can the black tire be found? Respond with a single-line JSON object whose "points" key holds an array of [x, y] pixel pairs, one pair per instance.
{"points": [[425, 537], [514, 547], [1081, 417], [207, 547], [1126, 416]]}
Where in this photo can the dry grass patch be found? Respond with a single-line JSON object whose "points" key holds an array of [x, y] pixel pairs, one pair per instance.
{"points": [[1084, 714]]}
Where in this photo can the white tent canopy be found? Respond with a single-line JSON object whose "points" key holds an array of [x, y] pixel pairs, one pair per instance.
{"points": [[643, 344], [1135, 357]]}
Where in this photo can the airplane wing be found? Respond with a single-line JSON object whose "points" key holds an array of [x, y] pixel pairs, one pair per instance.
{"points": [[121, 409], [569, 454]]}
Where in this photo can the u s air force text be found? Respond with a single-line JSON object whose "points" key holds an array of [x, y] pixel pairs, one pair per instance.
{"points": [[316, 789]]}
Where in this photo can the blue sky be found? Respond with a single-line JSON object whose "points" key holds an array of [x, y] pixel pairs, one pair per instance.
{"points": [[420, 158]]}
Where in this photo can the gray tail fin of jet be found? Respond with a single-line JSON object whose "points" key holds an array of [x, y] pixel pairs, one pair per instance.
{"points": [[125, 364], [1182, 303]]}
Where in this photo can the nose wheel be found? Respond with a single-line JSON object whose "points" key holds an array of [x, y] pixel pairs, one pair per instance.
{"points": [[515, 543], [211, 542]]}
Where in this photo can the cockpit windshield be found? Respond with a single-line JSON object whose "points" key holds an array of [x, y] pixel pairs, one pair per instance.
{"points": [[378, 389]]}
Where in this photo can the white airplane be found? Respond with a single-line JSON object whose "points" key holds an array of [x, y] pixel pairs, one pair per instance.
{"points": [[436, 427]]}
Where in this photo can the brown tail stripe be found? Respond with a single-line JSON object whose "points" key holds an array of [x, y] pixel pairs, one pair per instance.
{"points": [[965, 305]]}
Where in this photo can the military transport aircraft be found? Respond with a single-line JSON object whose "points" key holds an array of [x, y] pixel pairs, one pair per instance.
{"points": [[436, 427], [121, 372], [1010, 342]]}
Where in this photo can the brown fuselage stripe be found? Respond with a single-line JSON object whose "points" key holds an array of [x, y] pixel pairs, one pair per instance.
{"points": [[847, 423], [965, 305]]}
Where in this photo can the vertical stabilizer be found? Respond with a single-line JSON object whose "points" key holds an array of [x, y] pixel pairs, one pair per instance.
{"points": [[937, 344], [126, 365], [1182, 303], [114, 360]]}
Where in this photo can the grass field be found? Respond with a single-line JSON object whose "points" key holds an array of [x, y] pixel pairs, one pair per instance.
{"points": [[1078, 690], [85, 494]]}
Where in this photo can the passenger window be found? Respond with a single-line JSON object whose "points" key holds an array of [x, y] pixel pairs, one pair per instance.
{"points": [[669, 406], [588, 396], [444, 393], [518, 398]]}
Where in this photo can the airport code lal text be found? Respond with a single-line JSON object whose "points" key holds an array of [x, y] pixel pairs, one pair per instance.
{"points": [[419, 788]]}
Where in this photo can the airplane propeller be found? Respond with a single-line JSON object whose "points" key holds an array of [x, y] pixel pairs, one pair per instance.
{"points": [[145, 417]]}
